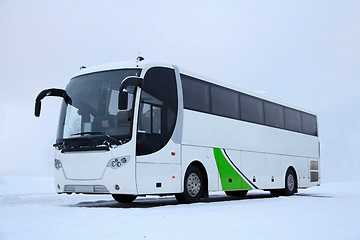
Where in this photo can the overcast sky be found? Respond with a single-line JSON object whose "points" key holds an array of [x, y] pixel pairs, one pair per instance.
{"points": [[305, 51]]}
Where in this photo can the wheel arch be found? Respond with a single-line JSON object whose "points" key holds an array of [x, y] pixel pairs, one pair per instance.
{"points": [[296, 175], [203, 171], [285, 170]]}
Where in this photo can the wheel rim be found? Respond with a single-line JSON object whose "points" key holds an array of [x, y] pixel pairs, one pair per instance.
{"points": [[291, 182], [193, 184]]}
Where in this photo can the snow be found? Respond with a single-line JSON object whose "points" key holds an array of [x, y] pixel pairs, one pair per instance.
{"points": [[30, 209]]}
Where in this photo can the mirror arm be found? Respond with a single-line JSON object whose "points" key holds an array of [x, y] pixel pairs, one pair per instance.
{"points": [[131, 81], [50, 92]]}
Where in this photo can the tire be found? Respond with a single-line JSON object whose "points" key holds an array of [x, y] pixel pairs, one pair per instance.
{"points": [[290, 183], [238, 193], [193, 186], [124, 198]]}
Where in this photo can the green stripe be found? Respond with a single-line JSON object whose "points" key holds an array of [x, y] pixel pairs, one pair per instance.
{"points": [[230, 178]]}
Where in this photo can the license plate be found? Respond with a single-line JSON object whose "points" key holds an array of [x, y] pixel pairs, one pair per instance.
{"points": [[84, 188]]}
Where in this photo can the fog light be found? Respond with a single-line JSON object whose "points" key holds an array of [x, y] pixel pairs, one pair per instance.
{"points": [[58, 186], [117, 187], [57, 164]]}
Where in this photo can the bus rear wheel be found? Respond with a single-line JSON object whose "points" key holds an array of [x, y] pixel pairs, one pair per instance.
{"points": [[193, 186], [124, 198], [290, 183], [238, 193]]}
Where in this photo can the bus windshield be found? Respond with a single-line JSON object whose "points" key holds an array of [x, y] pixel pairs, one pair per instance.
{"points": [[95, 109]]}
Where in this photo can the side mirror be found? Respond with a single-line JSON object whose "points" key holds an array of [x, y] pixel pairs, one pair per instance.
{"points": [[50, 92], [37, 108], [123, 100], [131, 81], [124, 95]]}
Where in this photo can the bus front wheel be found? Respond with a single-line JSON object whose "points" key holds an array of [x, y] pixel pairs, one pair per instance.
{"points": [[193, 186], [124, 198]]}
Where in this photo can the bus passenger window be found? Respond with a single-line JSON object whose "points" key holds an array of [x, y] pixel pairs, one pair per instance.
{"points": [[252, 109], [309, 124]]}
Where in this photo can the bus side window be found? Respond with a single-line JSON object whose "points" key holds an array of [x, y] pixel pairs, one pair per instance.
{"points": [[252, 109], [144, 125], [149, 119], [309, 124]]}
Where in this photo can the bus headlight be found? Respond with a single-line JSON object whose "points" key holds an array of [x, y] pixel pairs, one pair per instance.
{"points": [[118, 162], [57, 164]]}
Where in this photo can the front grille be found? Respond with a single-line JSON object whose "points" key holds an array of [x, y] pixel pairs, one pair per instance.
{"points": [[85, 189], [69, 188], [100, 188]]}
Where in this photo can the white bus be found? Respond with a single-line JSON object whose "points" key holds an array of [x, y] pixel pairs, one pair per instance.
{"points": [[146, 128]]}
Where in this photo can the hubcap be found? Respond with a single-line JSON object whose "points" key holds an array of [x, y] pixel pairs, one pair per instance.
{"points": [[290, 182], [193, 184]]}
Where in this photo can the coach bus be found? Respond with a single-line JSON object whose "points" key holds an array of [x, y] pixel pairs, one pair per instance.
{"points": [[146, 128]]}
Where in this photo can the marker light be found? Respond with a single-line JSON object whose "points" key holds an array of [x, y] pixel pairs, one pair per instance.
{"points": [[57, 164], [115, 163]]}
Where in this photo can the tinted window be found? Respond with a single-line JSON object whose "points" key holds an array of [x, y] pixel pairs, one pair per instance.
{"points": [[196, 94], [309, 124], [158, 110], [252, 109], [224, 102], [144, 122], [149, 118], [292, 120], [209, 98], [274, 115]]}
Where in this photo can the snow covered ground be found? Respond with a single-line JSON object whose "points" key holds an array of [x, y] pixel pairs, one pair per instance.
{"points": [[30, 209]]}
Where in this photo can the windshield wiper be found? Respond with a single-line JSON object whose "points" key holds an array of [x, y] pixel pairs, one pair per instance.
{"points": [[117, 141]]}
